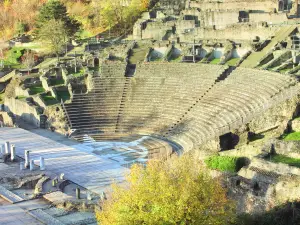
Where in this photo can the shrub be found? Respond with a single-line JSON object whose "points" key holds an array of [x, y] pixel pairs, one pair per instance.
{"points": [[176, 191]]}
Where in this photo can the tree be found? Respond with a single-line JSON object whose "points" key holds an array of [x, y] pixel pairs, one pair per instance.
{"points": [[55, 10], [177, 191], [28, 60], [54, 35]]}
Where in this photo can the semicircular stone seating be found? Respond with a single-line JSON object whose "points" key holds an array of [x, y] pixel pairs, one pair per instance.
{"points": [[185, 103]]}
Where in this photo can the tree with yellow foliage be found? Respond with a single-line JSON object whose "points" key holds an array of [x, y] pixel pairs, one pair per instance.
{"points": [[176, 191]]}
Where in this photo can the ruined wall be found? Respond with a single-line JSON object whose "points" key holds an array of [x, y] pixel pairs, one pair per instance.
{"points": [[268, 17], [172, 7], [22, 110], [265, 5], [56, 118], [218, 19], [246, 32]]}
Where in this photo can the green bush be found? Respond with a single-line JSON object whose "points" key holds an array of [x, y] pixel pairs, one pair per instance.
{"points": [[225, 163]]}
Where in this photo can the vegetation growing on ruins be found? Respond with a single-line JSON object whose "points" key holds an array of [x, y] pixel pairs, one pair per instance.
{"points": [[177, 191], [224, 163], [294, 136], [278, 158]]}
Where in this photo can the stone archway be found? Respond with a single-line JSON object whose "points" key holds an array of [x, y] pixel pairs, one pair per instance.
{"points": [[281, 6], [96, 62]]}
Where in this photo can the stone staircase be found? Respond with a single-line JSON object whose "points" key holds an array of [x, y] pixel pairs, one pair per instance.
{"points": [[122, 104], [254, 58]]}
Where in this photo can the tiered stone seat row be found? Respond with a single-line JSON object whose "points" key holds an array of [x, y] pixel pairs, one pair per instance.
{"points": [[97, 111], [159, 93], [233, 102]]}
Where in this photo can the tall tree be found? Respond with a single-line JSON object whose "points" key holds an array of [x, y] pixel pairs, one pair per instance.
{"points": [[55, 10], [177, 191], [54, 35]]}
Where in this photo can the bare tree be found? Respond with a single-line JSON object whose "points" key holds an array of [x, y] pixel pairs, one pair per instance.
{"points": [[28, 60]]}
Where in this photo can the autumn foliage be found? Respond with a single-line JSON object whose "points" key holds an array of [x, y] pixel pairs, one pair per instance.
{"points": [[94, 15], [177, 191]]}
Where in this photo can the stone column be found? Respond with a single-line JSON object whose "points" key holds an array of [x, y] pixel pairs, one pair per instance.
{"points": [[12, 153], [21, 165], [31, 166], [42, 163], [7, 147], [78, 193], [27, 158], [1, 148]]}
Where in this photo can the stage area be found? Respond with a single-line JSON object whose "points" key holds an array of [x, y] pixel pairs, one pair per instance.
{"points": [[92, 165]]}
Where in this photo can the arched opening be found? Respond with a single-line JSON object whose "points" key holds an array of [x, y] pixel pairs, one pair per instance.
{"points": [[281, 6], [228, 141], [96, 62], [256, 186]]}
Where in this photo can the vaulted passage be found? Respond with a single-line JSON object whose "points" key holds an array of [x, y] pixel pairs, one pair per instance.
{"points": [[228, 141]]}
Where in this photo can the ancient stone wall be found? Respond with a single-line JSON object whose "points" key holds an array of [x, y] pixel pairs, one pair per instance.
{"points": [[267, 5], [218, 19], [172, 7], [246, 32], [268, 17], [22, 110]]}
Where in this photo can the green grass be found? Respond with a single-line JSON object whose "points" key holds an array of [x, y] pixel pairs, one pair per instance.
{"points": [[224, 163], [79, 73], [294, 136], [215, 61], [64, 95], [36, 90], [48, 99], [277, 158], [21, 97], [174, 59], [55, 82], [233, 61]]}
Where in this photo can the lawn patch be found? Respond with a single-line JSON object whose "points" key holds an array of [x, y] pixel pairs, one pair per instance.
{"points": [[36, 90], [225, 163], [63, 95], [294, 136], [55, 82], [233, 61], [215, 61], [49, 99], [277, 158]]}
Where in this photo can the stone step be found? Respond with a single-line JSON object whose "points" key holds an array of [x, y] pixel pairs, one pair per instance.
{"points": [[44, 217], [9, 196]]}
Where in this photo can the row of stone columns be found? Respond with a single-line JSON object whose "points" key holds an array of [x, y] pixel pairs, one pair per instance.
{"points": [[29, 163], [8, 148]]}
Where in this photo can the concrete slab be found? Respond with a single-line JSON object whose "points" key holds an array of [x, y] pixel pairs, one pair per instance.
{"points": [[14, 215]]}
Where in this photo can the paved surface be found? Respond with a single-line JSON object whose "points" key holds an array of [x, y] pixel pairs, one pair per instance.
{"points": [[14, 215], [95, 172]]}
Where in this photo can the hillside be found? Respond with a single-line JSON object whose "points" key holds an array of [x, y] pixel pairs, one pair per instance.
{"points": [[18, 16]]}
